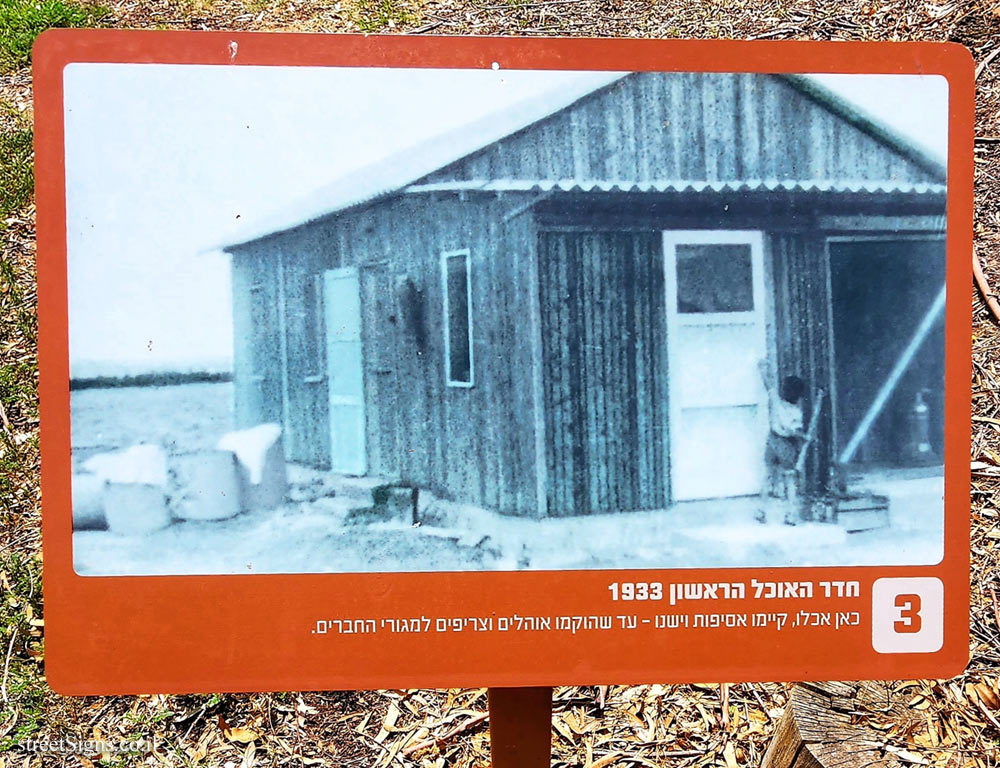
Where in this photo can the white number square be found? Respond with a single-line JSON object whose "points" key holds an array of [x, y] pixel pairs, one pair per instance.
{"points": [[908, 615]]}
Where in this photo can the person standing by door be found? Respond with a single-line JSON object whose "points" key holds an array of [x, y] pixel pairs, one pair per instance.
{"points": [[784, 442]]}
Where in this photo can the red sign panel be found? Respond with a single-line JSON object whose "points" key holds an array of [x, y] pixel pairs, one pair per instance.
{"points": [[399, 362]]}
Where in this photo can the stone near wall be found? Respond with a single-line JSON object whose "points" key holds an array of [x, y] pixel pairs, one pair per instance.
{"points": [[395, 502], [88, 502]]}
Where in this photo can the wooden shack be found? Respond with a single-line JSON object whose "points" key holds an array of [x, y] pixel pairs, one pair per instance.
{"points": [[562, 309]]}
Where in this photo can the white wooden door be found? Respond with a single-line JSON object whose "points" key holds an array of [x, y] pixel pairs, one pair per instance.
{"points": [[716, 339], [344, 356]]}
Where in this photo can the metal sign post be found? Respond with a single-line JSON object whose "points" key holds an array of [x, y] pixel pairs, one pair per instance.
{"points": [[520, 727]]}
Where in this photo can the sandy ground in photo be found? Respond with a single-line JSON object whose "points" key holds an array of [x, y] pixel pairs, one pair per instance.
{"points": [[326, 535], [327, 526]]}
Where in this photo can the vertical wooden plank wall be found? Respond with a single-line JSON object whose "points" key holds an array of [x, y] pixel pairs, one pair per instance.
{"points": [[690, 126], [256, 360], [380, 322], [307, 438], [803, 335], [475, 444], [287, 338], [604, 371]]}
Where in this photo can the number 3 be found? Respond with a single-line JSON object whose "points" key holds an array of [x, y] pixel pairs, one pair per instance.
{"points": [[909, 614]]}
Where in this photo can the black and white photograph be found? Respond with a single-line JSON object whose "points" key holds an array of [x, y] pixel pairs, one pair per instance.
{"points": [[338, 320]]}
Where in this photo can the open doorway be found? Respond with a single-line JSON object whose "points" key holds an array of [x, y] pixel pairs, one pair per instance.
{"points": [[888, 330]]}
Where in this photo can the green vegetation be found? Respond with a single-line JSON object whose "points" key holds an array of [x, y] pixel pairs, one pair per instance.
{"points": [[377, 15], [18, 329], [21, 21], [197, 7], [16, 459], [17, 179], [257, 6], [21, 649]]}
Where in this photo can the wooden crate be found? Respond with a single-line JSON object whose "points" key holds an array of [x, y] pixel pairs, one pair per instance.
{"points": [[862, 512]]}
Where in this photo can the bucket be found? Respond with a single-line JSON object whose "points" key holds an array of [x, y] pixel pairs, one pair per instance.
{"points": [[261, 459], [205, 485], [272, 489], [135, 508]]}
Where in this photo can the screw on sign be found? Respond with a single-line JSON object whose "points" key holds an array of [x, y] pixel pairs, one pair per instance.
{"points": [[593, 360]]}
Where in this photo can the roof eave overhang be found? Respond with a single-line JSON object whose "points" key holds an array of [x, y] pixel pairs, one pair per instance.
{"points": [[674, 186]]}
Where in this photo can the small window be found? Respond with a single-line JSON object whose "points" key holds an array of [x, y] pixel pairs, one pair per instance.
{"points": [[312, 321], [262, 329], [714, 278], [457, 282]]}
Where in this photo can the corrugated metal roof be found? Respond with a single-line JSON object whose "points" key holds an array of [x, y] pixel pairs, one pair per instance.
{"points": [[673, 185]]}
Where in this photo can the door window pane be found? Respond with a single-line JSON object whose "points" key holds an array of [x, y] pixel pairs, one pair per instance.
{"points": [[714, 278]]}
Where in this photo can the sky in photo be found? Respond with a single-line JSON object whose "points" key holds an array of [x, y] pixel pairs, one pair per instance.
{"points": [[164, 162]]}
